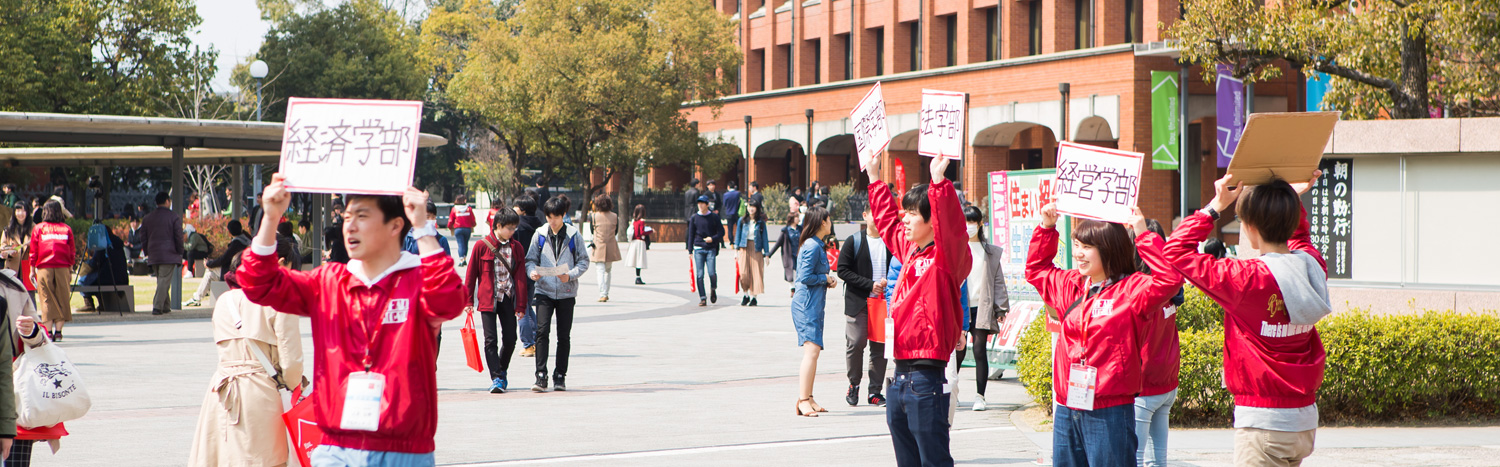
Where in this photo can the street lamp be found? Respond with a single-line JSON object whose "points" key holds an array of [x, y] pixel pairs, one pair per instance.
{"points": [[258, 70], [748, 156]]}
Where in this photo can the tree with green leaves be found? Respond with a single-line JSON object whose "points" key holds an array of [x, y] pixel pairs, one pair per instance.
{"points": [[581, 85], [1401, 58]]}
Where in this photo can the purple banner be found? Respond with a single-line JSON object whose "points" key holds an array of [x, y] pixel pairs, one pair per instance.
{"points": [[1231, 113]]}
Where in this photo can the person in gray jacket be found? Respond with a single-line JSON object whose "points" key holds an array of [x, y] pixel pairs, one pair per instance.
{"points": [[555, 260], [987, 305]]}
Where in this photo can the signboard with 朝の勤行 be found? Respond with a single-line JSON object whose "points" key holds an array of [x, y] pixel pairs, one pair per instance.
{"points": [[350, 145], [941, 124], [1097, 183], [871, 132]]}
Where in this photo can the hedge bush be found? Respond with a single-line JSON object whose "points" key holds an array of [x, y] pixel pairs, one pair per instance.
{"points": [[1381, 368]]}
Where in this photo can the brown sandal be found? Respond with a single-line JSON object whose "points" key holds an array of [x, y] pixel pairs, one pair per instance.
{"points": [[811, 410], [815, 404]]}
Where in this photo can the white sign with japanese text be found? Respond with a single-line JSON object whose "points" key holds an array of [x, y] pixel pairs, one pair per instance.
{"points": [[871, 132], [350, 145], [1097, 183], [941, 124]]}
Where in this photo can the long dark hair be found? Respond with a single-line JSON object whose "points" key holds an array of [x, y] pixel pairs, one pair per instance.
{"points": [[760, 213], [17, 229], [640, 212], [811, 223], [52, 211]]}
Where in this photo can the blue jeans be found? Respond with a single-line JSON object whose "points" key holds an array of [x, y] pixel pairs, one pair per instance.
{"points": [[1093, 438], [700, 258], [334, 456], [462, 235], [1151, 414], [527, 325], [917, 413]]}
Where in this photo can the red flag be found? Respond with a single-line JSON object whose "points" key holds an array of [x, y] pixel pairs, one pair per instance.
{"points": [[692, 280], [900, 177]]}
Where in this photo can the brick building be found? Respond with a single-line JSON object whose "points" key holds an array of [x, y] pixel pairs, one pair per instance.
{"points": [[807, 63]]}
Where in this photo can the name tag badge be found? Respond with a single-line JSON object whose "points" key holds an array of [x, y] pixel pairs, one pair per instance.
{"points": [[362, 401], [890, 338], [396, 311], [1103, 307], [1081, 386], [1169, 311]]}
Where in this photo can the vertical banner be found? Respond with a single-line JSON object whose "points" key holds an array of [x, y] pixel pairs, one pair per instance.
{"points": [[900, 177], [999, 210], [1026, 191], [1097, 183], [1230, 108], [871, 132], [1330, 215], [350, 145], [1165, 116], [1317, 86], [941, 124]]}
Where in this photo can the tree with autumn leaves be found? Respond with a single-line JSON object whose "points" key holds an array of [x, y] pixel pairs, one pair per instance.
{"points": [[1395, 58]]}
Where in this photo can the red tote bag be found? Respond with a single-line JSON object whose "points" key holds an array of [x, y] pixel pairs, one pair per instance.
{"points": [[875, 322], [302, 425], [471, 344]]}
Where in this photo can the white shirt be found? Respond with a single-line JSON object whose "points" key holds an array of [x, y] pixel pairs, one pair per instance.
{"points": [[976, 272], [878, 264]]}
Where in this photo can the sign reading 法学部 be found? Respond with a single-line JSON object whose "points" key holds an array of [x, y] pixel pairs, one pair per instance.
{"points": [[871, 132], [941, 124], [1097, 183], [350, 145]]}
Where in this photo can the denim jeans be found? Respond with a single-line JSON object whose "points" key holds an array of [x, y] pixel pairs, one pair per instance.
{"points": [[462, 234], [917, 413], [1093, 438], [334, 456], [707, 257], [527, 325], [1151, 413]]}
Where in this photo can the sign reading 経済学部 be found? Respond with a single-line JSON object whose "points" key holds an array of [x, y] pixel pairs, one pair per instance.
{"points": [[350, 145]]}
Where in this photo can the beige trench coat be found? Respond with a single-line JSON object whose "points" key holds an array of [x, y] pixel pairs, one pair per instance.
{"points": [[240, 422], [606, 248]]}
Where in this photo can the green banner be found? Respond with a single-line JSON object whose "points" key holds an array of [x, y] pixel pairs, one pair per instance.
{"points": [[1165, 131]]}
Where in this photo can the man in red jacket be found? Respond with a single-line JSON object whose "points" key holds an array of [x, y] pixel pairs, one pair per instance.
{"points": [[925, 320], [373, 326], [1273, 358]]}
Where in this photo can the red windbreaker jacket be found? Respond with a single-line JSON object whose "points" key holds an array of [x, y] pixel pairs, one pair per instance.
{"points": [[479, 279], [926, 306], [52, 246], [1161, 354], [1104, 331], [462, 217], [1268, 362], [345, 313]]}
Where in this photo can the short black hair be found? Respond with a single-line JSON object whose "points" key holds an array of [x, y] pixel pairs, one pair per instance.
{"points": [[161, 198], [390, 207], [1116, 250], [733, 185], [304, 223], [284, 228], [972, 213], [755, 184], [58, 191], [527, 204], [712, 182], [505, 217], [431, 207], [1273, 209], [916, 200], [693, 182], [557, 206], [235, 227]]}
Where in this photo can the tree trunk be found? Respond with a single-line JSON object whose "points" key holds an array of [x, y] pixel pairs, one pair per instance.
{"points": [[624, 208], [1409, 97]]}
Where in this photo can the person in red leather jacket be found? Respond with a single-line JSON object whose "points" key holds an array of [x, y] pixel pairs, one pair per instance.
{"points": [[927, 235], [1104, 306], [374, 323], [1273, 357]]}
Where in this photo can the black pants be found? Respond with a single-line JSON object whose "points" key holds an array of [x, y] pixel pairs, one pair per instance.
{"points": [[981, 358], [498, 359], [546, 308]]}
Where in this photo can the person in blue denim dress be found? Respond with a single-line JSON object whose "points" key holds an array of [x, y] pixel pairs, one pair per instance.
{"points": [[809, 295]]}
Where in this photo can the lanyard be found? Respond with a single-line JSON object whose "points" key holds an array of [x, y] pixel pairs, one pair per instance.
{"points": [[1088, 316], [371, 335]]}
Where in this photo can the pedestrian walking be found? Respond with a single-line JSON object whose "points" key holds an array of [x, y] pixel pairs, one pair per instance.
{"points": [[23, 335], [372, 320], [640, 241], [789, 234], [53, 252], [161, 238], [926, 235], [733, 207], [1273, 357], [605, 249], [333, 236], [8, 199], [526, 207], [1101, 304], [555, 263], [690, 199], [1161, 359], [260, 355], [715, 199], [705, 232], [410, 245], [462, 221], [755, 197], [496, 283], [239, 240], [15, 244], [863, 263], [988, 301], [808, 302], [753, 245]]}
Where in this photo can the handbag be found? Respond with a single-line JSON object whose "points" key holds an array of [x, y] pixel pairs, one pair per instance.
{"points": [[471, 344], [875, 322], [48, 387], [302, 426]]}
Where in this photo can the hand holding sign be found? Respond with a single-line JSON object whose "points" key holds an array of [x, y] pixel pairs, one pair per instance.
{"points": [[275, 199], [939, 168], [1281, 145], [1137, 221], [871, 132], [1225, 194], [1097, 183]]}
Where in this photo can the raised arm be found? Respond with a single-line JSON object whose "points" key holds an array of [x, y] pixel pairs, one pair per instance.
{"points": [[1302, 237], [266, 283], [886, 212], [1215, 277], [948, 222]]}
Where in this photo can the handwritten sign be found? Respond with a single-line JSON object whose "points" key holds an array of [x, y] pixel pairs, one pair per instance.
{"points": [[1097, 183], [941, 124], [350, 145], [871, 132]]}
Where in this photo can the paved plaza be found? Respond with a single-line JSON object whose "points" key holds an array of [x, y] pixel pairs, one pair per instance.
{"points": [[655, 380]]}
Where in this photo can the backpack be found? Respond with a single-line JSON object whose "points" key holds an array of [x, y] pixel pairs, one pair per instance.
{"points": [[572, 245], [98, 237]]}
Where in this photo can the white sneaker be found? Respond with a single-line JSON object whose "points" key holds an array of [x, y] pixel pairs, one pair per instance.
{"points": [[978, 403]]}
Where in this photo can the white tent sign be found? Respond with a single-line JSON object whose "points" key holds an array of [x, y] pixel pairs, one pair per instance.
{"points": [[350, 145]]}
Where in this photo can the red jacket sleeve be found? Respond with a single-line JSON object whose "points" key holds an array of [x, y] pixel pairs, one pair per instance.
{"points": [[1221, 279], [442, 293], [1165, 280], [887, 215], [948, 229], [1057, 287], [267, 284], [1302, 240]]}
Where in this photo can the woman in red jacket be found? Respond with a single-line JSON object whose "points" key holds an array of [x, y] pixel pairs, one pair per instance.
{"points": [[462, 221], [493, 282], [1103, 305], [53, 253]]}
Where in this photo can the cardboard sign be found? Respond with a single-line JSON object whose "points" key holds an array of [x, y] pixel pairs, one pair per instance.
{"points": [[871, 132], [1097, 183], [350, 145], [941, 124], [1281, 145]]}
